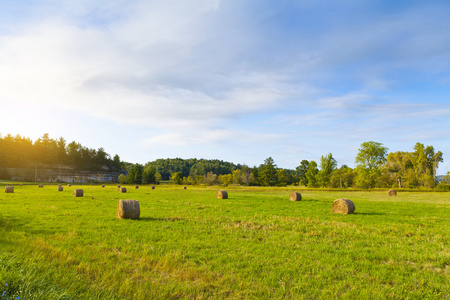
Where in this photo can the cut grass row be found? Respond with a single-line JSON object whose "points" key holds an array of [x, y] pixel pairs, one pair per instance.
{"points": [[256, 244]]}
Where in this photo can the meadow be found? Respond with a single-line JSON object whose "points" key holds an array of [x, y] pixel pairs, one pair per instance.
{"points": [[254, 245]]}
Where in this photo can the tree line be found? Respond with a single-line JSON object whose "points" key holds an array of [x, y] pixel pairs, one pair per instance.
{"points": [[178, 171], [21, 152], [374, 166]]}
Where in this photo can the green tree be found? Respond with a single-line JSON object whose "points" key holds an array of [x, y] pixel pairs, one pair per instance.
{"points": [[117, 164], [62, 151], [254, 178], [397, 169], [74, 154], [135, 173], [282, 177], [176, 177], [198, 179], [342, 177], [247, 176], [237, 176], [123, 179], [426, 162], [311, 174], [327, 165], [101, 158], [158, 177], [301, 172], [149, 175], [268, 173], [369, 160], [226, 179]]}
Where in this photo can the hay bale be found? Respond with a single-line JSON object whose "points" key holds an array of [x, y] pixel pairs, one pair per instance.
{"points": [[103, 185], [41, 186], [78, 193], [136, 187], [294, 196], [128, 209], [343, 206], [9, 189], [153, 187], [69, 185], [118, 186], [123, 190], [184, 187], [60, 188], [222, 195], [392, 193]]}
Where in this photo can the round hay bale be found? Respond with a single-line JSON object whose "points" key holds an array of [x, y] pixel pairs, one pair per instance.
{"points": [[60, 188], [123, 190], [392, 193], [343, 206], [136, 187], [103, 185], [153, 187], [41, 186], [118, 186], [184, 187], [222, 195], [294, 196], [78, 193], [69, 185], [9, 189], [128, 209]]}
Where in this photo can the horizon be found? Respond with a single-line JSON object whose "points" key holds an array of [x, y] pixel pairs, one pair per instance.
{"points": [[198, 159], [237, 81]]}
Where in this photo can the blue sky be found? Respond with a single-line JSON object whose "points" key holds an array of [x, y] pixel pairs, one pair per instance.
{"points": [[234, 80]]}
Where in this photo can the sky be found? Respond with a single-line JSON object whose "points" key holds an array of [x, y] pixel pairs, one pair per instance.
{"points": [[235, 80]]}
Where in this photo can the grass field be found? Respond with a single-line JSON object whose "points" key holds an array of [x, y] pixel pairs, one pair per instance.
{"points": [[255, 245]]}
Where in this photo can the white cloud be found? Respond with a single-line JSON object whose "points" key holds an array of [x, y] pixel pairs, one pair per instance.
{"points": [[147, 70], [209, 72]]}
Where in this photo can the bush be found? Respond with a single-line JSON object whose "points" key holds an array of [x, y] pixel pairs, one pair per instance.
{"points": [[123, 179], [443, 186]]}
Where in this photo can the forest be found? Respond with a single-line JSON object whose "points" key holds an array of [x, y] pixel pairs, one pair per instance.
{"points": [[375, 167], [45, 152]]}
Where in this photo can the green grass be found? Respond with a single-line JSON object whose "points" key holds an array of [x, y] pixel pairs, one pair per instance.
{"points": [[257, 244]]}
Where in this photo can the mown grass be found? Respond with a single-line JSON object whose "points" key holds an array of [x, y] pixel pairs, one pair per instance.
{"points": [[256, 244]]}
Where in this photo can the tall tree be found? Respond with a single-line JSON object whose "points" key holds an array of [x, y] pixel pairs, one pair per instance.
{"points": [[311, 174], [301, 172], [327, 165], [62, 151], [399, 169], [282, 177], [135, 173], [268, 173], [369, 160], [149, 175], [425, 162]]}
